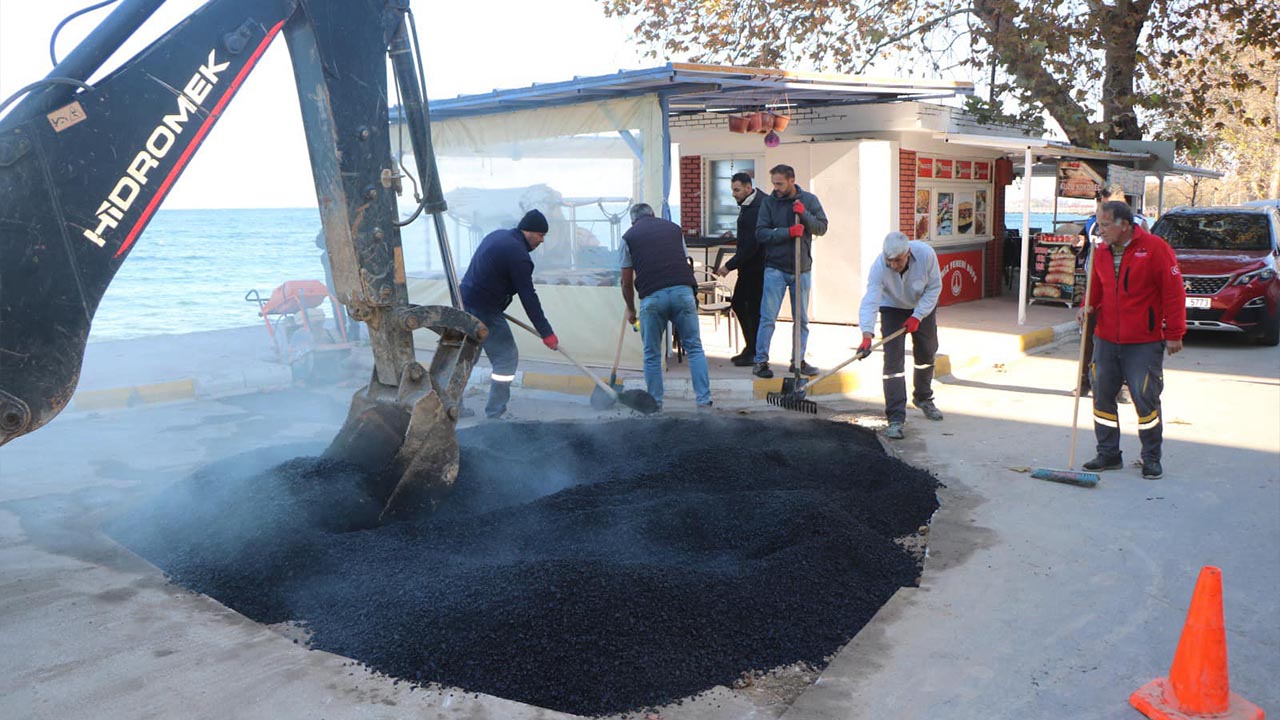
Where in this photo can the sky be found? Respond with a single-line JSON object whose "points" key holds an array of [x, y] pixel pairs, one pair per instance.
{"points": [[256, 155]]}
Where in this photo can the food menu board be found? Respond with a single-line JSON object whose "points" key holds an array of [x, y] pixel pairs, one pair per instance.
{"points": [[1053, 269]]}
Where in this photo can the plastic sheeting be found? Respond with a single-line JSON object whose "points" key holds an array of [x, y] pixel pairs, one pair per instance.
{"points": [[581, 165]]}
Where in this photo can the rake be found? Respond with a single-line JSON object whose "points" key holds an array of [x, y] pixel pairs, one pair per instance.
{"points": [[793, 392]]}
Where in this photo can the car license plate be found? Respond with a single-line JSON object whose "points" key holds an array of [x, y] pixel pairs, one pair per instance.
{"points": [[1195, 302]]}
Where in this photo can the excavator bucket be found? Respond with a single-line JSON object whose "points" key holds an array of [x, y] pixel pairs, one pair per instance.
{"points": [[405, 435]]}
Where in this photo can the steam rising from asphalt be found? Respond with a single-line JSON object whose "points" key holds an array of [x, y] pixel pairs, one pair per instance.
{"points": [[589, 568]]}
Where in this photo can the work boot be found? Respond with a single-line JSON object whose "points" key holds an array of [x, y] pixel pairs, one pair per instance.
{"points": [[1104, 462], [930, 410], [709, 407], [762, 370], [805, 369], [744, 359], [1151, 470], [894, 431]]}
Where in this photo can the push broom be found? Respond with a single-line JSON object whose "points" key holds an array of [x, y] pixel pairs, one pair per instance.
{"points": [[1073, 477]]}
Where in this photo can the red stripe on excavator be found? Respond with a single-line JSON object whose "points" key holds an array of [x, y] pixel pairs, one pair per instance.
{"points": [[199, 137]]}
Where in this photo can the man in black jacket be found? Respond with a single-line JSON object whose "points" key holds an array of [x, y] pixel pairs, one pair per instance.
{"points": [[501, 269], [749, 262]]}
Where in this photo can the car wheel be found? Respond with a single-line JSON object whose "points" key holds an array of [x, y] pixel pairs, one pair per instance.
{"points": [[1271, 330]]}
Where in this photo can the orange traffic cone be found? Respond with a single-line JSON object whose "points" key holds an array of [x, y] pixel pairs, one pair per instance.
{"points": [[1197, 686]]}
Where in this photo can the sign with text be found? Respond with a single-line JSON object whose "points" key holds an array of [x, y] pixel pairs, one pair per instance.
{"points": [[1053, 270], [961, 276], [1079, 179], [924, 167]]}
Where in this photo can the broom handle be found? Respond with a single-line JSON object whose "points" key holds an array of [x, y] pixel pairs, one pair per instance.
{"points": [[828, 373], [798, 298], [617, 356], [1084, 337], [612, 393]]}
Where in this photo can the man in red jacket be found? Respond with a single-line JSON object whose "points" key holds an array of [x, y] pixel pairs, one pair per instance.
{"points": [[1140, 303]]}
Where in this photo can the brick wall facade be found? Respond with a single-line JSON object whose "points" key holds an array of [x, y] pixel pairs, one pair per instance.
{"points": [[1002, 177], [691, 194], [907, 192]]}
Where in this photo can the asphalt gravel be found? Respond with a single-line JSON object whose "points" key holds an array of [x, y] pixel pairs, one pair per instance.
{"points": [[587, 568]]}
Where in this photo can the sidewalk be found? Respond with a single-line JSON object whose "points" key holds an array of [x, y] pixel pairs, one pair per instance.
{"points": [[220, 363]]}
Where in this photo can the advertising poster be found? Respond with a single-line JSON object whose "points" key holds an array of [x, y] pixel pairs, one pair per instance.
{"points": [[964, 213], [982, 171], [943, 216], [1080, 178], [964, 169], [924, 167], [980, 213], [922, 213], [961, 276], [1053, 270], [942, 169]]}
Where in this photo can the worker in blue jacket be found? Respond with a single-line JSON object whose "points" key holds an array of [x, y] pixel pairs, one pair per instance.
{"points": [[501, 269]]}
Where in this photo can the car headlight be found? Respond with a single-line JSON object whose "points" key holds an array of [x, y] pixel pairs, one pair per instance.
{"points": [[1263, 274]]}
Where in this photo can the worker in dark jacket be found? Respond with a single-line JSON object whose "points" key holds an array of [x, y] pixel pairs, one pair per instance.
{"points": [[748, 260], [787, 216], [1140, 303], [655, 264], [501, 269]]}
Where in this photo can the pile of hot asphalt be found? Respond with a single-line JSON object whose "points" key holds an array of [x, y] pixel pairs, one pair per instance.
{"points": [[587, 568]]}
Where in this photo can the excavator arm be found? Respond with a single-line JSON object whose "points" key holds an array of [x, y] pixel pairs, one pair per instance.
{"points": [[83, 168]]}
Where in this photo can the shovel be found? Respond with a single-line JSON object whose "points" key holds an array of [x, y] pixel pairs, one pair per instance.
{"points": [[638, 400], [600, 400]]}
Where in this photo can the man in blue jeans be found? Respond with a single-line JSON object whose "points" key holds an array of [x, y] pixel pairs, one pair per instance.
{"points": [[655, 265], [501, 269], [788, 216]]}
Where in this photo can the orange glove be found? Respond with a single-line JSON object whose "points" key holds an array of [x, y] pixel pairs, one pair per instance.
{"points": [[798, 207], [796, 230], [913, 324], [551, 341]]}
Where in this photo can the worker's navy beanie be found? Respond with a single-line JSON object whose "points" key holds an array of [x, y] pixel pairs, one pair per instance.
{"points": [[533, 221]]}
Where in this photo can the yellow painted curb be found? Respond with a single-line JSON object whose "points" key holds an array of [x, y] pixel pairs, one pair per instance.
{"points": [[102, 399], [115, 398], [838, 384], [570, 384], [1043, 336], [167, 392]]}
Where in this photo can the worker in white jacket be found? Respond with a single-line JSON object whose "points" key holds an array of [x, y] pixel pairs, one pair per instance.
{"points": [[904, 285]]}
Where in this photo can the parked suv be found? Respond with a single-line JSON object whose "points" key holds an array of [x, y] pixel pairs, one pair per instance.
{"points": [[1228, 258]]}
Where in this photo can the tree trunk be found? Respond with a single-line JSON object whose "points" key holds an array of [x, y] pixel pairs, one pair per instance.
{"points": [[1120, 33]]}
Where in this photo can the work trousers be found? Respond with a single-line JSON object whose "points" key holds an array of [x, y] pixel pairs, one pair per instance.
{"points": [[747, 294], [777, 283], [924, 346], [1141, 367], [504, 356], [675, 305]]}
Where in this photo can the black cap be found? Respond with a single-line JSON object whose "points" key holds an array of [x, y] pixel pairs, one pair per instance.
{"points": [[533, 221]]}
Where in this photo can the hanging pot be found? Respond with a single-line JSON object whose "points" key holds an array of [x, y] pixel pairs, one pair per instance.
{"points": [[766, 122], [737, 124], [780, 122], [753, 122], [772, 140]]}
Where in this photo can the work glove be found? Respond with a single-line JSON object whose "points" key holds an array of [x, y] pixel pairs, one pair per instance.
{"points": [[865, 348], [551, 341], [796, 230], [913, 324], [798, 207]]}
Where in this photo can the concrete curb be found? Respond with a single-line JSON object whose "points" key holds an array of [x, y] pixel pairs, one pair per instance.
{"points": [[264, 377]]}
